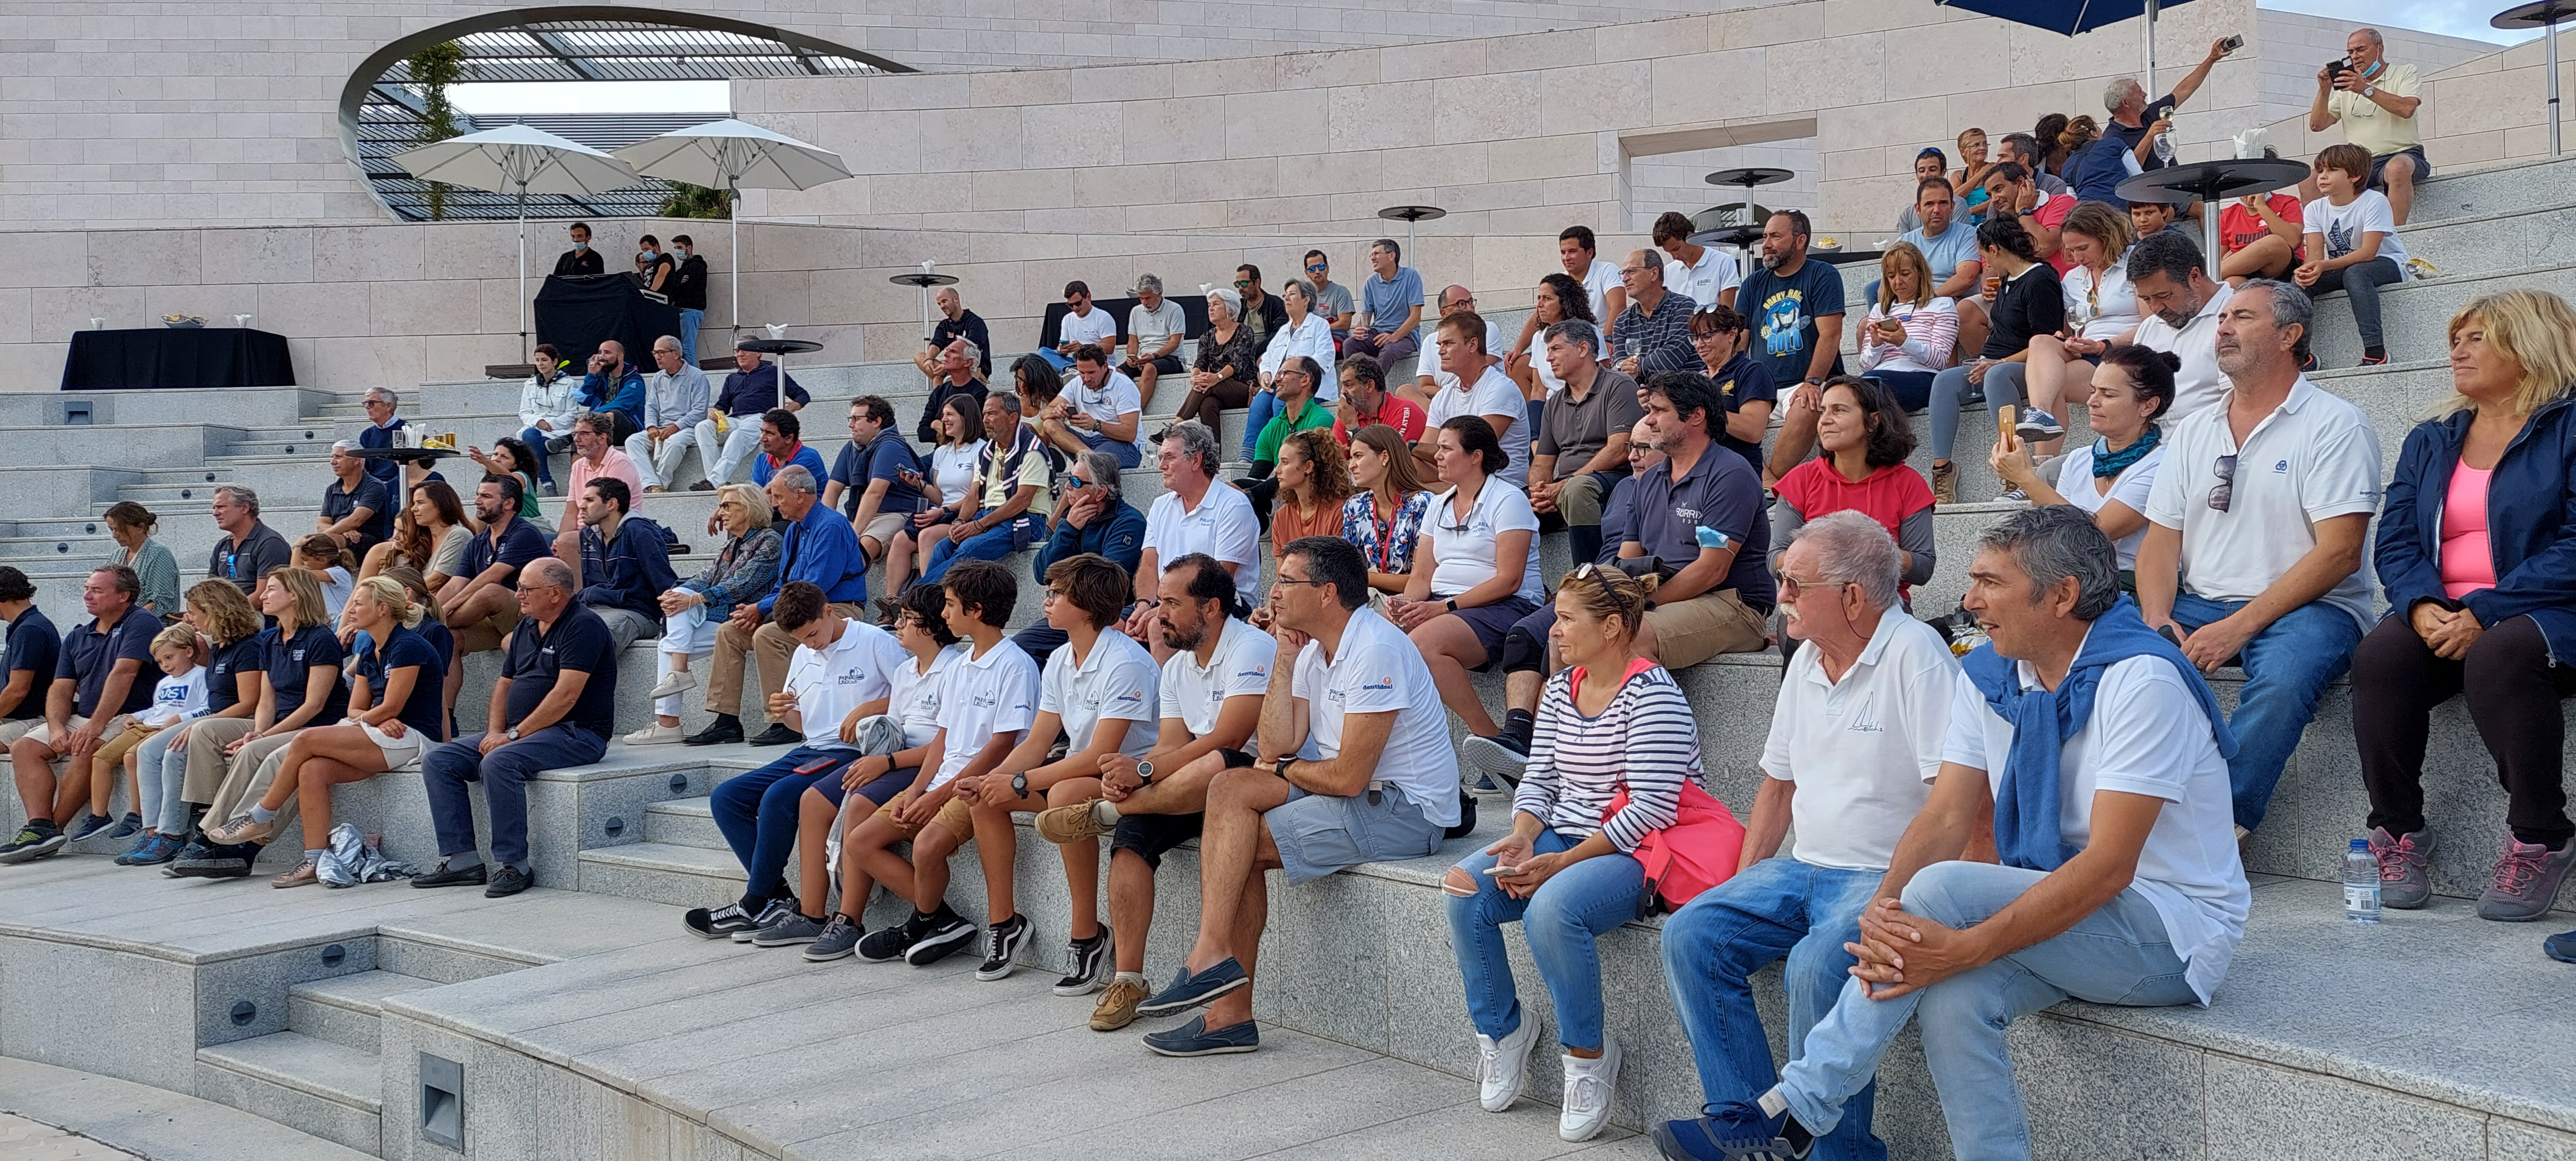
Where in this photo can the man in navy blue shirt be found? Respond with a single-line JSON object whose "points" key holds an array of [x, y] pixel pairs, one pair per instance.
{"points": [[27, 657], [551, 710], [382, 423], [98, 675], [2127, 145], [877, 479], [821, 550], [625, 563], [615, 387], [477, 602], [782, 443], [750, 392], [1794, 306], [357, 508]]}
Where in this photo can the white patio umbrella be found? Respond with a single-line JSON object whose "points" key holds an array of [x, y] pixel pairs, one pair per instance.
{"points": [[524, 159], [733, 155]]}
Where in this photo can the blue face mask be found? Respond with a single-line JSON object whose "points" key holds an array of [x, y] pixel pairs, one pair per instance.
{"points": [[578, 247]]}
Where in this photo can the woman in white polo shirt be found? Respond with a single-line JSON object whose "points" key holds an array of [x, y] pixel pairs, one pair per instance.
{"points": [[1480, 542]]}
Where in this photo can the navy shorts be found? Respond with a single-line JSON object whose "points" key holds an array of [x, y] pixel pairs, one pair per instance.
{"points": [[1492, 621]]}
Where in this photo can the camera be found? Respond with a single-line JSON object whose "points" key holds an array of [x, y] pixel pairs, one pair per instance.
{"points": [[2231, 44]]}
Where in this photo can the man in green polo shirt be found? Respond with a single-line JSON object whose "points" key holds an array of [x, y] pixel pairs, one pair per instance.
{"points": [[1298, 411]]}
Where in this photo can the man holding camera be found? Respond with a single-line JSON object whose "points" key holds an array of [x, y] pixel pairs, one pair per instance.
{"points": [[2376, 102]]}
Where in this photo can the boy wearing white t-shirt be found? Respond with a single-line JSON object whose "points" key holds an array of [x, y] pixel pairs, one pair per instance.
{"points": [[180, 696], [1492, 394], [2352, 243], [988, 702], [1099, 692]]}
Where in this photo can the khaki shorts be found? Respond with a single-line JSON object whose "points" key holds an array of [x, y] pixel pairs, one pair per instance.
{"points": [[956, 818], [1692, 631], [884, 526], [486, 635]]}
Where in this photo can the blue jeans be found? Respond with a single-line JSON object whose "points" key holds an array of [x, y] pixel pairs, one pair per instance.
{"points": [[1123, 451], [1257, 415], [505, 774], [536, 441], [991, 544], [2119, 954], [1562, 918], [689, 320], [757, 811], [161, 806], [2002, 386], [1777, 907], [2287, 668], [2360, 282], [1061, 363]]}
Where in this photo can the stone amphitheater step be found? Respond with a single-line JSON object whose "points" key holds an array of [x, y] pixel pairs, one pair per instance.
{"points": [[158, 1123], [683, 822], [330, 1090], [345, 1010], [682, 876]]}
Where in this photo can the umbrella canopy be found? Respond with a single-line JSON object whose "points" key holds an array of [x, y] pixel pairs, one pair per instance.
{"points": [[518, 159], [732, 154], [2065, 17]]}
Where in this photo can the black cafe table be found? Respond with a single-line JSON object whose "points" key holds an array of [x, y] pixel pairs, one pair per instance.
{"points": [[780, 348], [2212, 183], [105, 360]]}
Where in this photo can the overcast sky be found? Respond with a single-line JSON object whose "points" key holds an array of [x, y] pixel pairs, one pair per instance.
{"points": [[2448, 17]]}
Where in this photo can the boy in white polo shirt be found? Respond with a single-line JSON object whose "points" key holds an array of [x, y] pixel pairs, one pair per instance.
{"points": [[988, 701], [1855, 744], [1099, 692], [1211, 701], [1491, 394], [842, 670]]}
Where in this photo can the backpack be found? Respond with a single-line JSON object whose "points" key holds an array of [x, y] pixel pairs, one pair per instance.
{"points": [[1697, 852]]}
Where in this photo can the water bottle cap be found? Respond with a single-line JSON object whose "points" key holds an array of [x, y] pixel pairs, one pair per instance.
{"points": [[2361, 844]]}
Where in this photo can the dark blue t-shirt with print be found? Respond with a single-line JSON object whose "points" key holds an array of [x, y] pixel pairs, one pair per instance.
{"points": [[33, 646], [1783, 313], [578, 641], [886, 459], [225, 666]]}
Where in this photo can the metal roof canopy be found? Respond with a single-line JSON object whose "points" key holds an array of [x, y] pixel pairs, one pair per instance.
{"points": [[628, 49]]}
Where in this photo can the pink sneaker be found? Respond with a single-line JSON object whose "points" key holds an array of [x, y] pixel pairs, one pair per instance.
{"points": [[2525, 881], [2405, 868]]}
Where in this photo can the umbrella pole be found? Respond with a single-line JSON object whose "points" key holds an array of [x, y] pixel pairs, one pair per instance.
{"points": [[2549, 33], [733, 211], [523, 271], [2151, 49]]}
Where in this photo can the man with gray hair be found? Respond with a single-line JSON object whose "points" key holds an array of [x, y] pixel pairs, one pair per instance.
{"points": [[2255, 531], [676, 397], [2376, 102], [382, 422], [2097, 751], [2127, 145], [248, 548], [357, 508], [1154, 329], [822, 550], [1856, 738], [1582, 437]]}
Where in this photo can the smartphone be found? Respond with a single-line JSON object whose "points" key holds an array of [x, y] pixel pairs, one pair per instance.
{"points": [[2166, 632], [1503, 872], [2231, 44]]}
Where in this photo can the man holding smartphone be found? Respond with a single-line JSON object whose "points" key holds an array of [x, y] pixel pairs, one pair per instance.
{"points": [[2376, 102]]}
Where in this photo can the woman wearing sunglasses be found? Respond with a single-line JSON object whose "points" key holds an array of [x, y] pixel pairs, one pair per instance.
{"points": [[1475, 567]]}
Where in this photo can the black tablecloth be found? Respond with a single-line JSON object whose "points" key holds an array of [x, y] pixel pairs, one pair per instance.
{"points": [[576, 313], [175, 357]]}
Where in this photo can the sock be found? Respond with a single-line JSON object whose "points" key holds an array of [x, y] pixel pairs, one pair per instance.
{"points": [[1104, 812], [1136, 978], [2374, 352], [1775, 1105], [723, 720], [1520, 724], [315, 855], [461, 861], [260, 813]]}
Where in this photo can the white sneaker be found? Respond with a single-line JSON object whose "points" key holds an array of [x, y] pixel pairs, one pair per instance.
{"points": [[674, 684], [1502, 1066], [1588, 1088], [653, 736]]}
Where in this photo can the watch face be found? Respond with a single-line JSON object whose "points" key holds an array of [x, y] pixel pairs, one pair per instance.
{"points": [[1144, 769]]}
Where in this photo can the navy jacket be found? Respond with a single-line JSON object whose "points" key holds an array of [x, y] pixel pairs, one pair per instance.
{"points": [[2531, 524], [823, 549], [382, 437], [638, 567], [627, 401], [1118, 534]]}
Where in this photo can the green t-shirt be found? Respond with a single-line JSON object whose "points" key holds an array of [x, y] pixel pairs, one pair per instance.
{"points": [[1283, 425]]}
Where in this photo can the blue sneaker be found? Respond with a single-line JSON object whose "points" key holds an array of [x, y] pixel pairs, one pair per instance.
{"points": [[91, 825], [128, 826], [1734, 1131], [1189, 991], [2038, 426], [2561, 947], [1197, 1039], [151, 850]]}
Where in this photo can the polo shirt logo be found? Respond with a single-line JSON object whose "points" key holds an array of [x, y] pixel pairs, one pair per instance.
{"points": [[2282, 468], [296, 655], [1384, 683]]}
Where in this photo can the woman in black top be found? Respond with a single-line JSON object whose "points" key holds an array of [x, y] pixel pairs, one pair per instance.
{"points": [[219, 611], [299, 685], [1229, 362], [2022, 298]]}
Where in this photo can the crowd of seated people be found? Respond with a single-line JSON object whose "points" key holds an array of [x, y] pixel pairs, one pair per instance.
{"points": [[2056, 814]]}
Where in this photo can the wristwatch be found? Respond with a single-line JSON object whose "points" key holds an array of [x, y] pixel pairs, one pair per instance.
{"points": [[2369, 91], [1020, 784], [1284, 763], [511, 734], [1144, 771], [1449, 603], [1813, 381]]}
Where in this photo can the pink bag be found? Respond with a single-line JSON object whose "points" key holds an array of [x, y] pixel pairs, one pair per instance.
{"points": [[1697, 852]]}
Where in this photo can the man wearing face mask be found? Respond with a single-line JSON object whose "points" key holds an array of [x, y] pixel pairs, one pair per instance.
{"points": [[688, 290], [652, 265], [581, 259]]}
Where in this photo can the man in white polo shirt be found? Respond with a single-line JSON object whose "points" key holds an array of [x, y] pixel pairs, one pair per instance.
{"points": [[1580, 252], [1477, 387], [1210, 698], [1356, 767], [1705, 275], [1433, 374], [1855, 744], [2181, 308], [843, 670], [2255, 534], [1195, 513]]}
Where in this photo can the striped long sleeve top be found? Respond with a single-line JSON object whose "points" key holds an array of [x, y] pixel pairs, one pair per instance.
{"points": [[1646, 739]]}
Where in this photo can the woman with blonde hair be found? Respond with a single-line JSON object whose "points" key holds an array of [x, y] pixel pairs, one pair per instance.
{"points": [[1612, 722], [395, 712], [1971, 174], [1314, 482], [299, 684], [1384, 513], [744, 570], [2480, 575], [2101, 309], [1911, 330]]}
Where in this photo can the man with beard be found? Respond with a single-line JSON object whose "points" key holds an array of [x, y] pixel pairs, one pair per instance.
{"points": [[1796, 309], [481, 601], [2181, 306]]}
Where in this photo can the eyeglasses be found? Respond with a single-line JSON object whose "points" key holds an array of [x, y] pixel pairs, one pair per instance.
{"points": [[1052, 595], [1076, 482], [1789, 585], [1318, 268], [2225, 492]]}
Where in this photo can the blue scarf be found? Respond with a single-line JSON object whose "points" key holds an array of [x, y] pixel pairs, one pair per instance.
{"points": [[2108, 463], [2027, 806]]}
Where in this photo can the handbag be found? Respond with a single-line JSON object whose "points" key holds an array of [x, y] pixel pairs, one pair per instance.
{"points": [[1698, 851]]}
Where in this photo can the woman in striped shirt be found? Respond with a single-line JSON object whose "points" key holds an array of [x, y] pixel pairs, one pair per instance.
{"points": [[1611, 721]]}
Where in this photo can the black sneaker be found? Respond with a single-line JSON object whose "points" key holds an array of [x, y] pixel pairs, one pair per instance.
{"points": [[770, 915], [720, 732], [718, 922], [444, 876], [194, 848], [776, 735], [794, 929], [889, 944], [1084, 960], [35, 841], [840, 936], [127, 827], [1003, 949], [219, 862], [90, 825], [945, 932], [506, 882]]}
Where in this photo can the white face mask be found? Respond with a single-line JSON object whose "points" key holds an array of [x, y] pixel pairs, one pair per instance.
{"points": [[643, 255]]}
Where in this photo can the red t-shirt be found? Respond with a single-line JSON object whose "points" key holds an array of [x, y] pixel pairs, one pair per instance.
{"points": [[2239, 227], [1887, 495], [1398, 412]]}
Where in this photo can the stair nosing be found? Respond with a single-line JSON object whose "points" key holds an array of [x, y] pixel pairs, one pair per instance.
{"points": [[317, 992], [220, 1056]]}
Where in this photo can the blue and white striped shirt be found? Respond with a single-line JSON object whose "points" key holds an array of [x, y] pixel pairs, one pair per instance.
{"points": [[1645, 740]]}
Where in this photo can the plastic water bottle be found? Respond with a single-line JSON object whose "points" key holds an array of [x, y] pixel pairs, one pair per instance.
{"points": [[2360, 883]]}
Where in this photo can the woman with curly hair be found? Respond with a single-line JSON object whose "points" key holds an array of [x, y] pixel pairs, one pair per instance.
{"points": [[1314, 482], [1863, 434], [1560, 298]]}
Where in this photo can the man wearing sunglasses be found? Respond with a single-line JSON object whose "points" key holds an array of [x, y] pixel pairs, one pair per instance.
{"points": [[2253, 553], [1085, 325], [1264, 313], [1332, 299]]}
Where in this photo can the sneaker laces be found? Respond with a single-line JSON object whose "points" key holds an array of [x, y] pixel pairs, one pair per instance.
{"points": [[2519, 867], [1489, 1054], [2396, 859]]}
